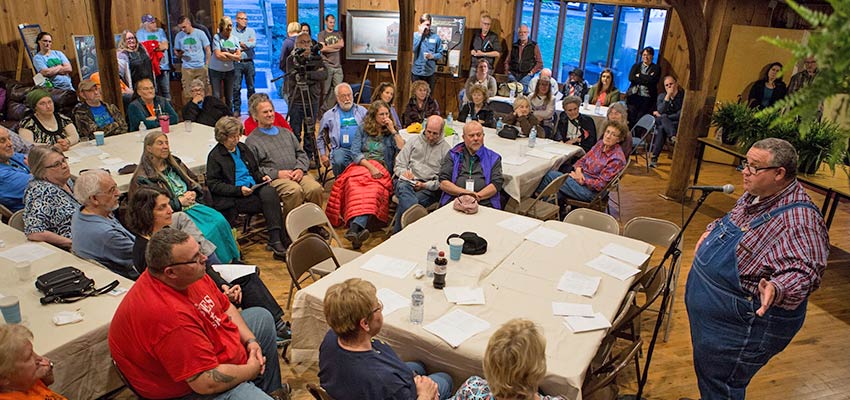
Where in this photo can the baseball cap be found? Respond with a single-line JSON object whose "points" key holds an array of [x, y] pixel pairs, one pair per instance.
{"points": [[148, 18], [87, 84]]}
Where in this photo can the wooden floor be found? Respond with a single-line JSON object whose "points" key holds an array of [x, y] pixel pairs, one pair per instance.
{"points": [[816, 365]]}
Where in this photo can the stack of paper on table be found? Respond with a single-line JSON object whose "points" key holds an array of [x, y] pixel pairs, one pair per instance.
{"points": [[578, 283], [613, 267], [464, 295], [392, 301], [519, 224], [232, 272], [572, 309], [545, 236], [389, 266], [456, 326], [585, 324], [626, 254]]}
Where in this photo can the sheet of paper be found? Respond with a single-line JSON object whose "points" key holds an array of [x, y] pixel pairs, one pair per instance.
{"points": [[456, 326], [540, 154], [464, 295], [622, 253], [389, 266], [514, 160], [586, 324], [392, 301], [85, 151], [555, 149], [613, 267], [546, 237], [519, 224], [572, 309], [232, 272], [578, 283], [26, 252]]}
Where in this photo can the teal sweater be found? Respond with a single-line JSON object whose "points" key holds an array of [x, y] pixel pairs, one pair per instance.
{"points": [[138, 113]]}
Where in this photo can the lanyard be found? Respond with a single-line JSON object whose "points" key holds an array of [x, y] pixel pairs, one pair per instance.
{"points": [[471, 162]]}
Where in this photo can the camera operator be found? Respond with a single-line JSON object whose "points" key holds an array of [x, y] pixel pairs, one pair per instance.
{"points": [[303, 85]]}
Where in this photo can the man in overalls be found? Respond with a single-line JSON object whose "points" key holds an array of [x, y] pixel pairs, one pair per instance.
{"points": [[753, 272]]}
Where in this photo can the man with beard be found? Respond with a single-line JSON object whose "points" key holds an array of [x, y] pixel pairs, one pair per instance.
{"points": [[337, 129]]}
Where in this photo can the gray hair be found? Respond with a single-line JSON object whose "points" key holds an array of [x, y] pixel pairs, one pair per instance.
{"points": [[13, 338], [571, 100], [619, 107], [255, 101], [340, 86], [37, 159], [197, 83], [783, 154], [158, 254], [88, 185], [227, 127]]}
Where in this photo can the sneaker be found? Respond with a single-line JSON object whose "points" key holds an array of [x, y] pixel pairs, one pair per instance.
{"points": [[352, 237], [284, 335], [363, 235]]}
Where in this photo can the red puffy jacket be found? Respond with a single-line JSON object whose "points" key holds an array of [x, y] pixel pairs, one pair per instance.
{"points": [[355, 193]]}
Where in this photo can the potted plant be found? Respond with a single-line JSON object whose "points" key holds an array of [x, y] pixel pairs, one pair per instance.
{"points": [[732, 119], [822, 141]]}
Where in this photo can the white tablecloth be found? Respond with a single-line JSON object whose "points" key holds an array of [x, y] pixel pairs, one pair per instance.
{"points": [[521, 180], [83, 367], [587, 109], [521, 283], [191, 147]]}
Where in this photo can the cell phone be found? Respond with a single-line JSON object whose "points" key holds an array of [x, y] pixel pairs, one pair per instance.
{"points": [[259, 185]]}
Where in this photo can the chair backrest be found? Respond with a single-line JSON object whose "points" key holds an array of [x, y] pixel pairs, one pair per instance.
{"points": [[594, 220], [5, 213], [17, 220], [647, 123], [412, 215], [306, 252], [500, 107], [307, 216], [658, 232], [318, 392]]}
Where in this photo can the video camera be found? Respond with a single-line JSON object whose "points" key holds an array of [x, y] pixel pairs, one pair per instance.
{"points": [[307, 60]]}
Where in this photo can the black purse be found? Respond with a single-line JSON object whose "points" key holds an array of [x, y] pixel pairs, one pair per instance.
{"points": [[509, 132], [68, 285]]}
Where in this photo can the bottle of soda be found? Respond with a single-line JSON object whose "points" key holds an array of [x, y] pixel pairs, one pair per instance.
{"points": [[417, 306], [440, 264]]}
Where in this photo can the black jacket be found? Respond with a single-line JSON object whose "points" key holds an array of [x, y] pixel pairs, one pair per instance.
{"points": [[650, 79], [485, 115], [212, 110], [522, 66], [586, 123], [221, 174], [757, 93]]}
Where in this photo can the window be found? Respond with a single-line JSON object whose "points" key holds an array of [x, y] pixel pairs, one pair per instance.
{"points": [[598, 41], [331, 7], [309, 12], [627, 44], [547, 37], [572, 39]]}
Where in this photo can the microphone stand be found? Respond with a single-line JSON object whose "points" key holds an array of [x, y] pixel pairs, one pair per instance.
{"points": [[672, 251]]}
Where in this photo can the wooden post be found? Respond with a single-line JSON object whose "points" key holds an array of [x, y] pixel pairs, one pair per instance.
{"points": [[107, 62], [406, 16], [292, 12]]}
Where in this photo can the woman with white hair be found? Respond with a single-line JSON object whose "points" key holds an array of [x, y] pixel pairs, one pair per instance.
{"points": [[23, 373], [203, 109]]}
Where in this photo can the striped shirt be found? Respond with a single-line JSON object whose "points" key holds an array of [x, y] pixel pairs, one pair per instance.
{"points": [[599, 166], [790, 250]]}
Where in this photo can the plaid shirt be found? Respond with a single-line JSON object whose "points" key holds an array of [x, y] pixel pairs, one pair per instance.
{"points": [[789, 250], [599, 166]]}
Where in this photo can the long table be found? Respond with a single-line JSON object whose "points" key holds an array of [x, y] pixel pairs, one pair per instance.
{"points": [[83, 367], [519, 278], [520, 180], [120, 150], [835, 186]]}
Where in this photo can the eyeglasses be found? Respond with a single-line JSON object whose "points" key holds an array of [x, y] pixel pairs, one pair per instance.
{"points": [[63, 161], [198, 259], [745, 166], [380, 307]]}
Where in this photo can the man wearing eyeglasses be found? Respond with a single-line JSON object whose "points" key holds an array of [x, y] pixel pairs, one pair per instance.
{"points": [[804, 77], [355, 365], [176, 335], [753, 272], [102, 237], [668, 110]]}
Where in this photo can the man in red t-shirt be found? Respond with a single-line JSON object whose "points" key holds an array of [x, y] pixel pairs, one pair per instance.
{"points": [[175, 333]]}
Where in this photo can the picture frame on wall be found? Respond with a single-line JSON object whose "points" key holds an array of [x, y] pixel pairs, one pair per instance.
{"points": [[86, 53], [372, 35]]}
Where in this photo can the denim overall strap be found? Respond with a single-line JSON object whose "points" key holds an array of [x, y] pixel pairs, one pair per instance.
{"points": [[730, 342]]}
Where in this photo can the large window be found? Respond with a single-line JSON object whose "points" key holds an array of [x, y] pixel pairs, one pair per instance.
{"points": [[308, 11], [331, 7], [592, 36]]}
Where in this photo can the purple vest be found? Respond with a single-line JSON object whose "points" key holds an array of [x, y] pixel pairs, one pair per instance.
{"points": [[487, 158]]}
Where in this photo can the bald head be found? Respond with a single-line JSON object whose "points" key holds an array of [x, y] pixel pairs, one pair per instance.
{"points": [[434, 129], [545, 73]]}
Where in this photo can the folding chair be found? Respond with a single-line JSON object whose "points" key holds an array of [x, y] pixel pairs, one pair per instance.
{"points": [[318, 392], [543, 207], [309, 215], [600, 201], [412, 215], [17, 220], [303, 256], [647, 123], [594, 220]]}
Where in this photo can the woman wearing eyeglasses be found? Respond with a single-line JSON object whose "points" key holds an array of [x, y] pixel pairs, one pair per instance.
{"points": [[49, 200], [134, 59]]}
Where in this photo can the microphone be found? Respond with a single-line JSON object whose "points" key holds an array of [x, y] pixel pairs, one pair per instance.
{"points": [[727, 188]]}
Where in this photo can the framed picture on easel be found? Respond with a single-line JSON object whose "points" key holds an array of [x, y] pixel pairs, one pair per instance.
{"points": [[28, 34], [372, 35], [86, 55]]}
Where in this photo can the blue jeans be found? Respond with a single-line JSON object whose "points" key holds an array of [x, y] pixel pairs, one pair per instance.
{"points": [[218, 78], [570, 188], [442, 379], [297, 119], [407, 197], [664, 128], [163, 85], [340, 159], [360, 220], [242, 69], [261, 323]]}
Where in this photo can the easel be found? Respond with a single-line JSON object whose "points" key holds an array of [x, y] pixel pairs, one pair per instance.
{"points": [[377, 65], [20, 66], [27, 31]]}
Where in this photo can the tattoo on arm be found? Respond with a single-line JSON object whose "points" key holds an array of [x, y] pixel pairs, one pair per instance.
{"points": [[218, 376]]}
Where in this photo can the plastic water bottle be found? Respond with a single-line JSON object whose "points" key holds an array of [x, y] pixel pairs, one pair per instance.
{"points": [[532, 138], [142, 132], [455, 139], [598, 109], [587, 99], [499, 124], [449, 120], [429, 260], [417, 306], [513, 93]]}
